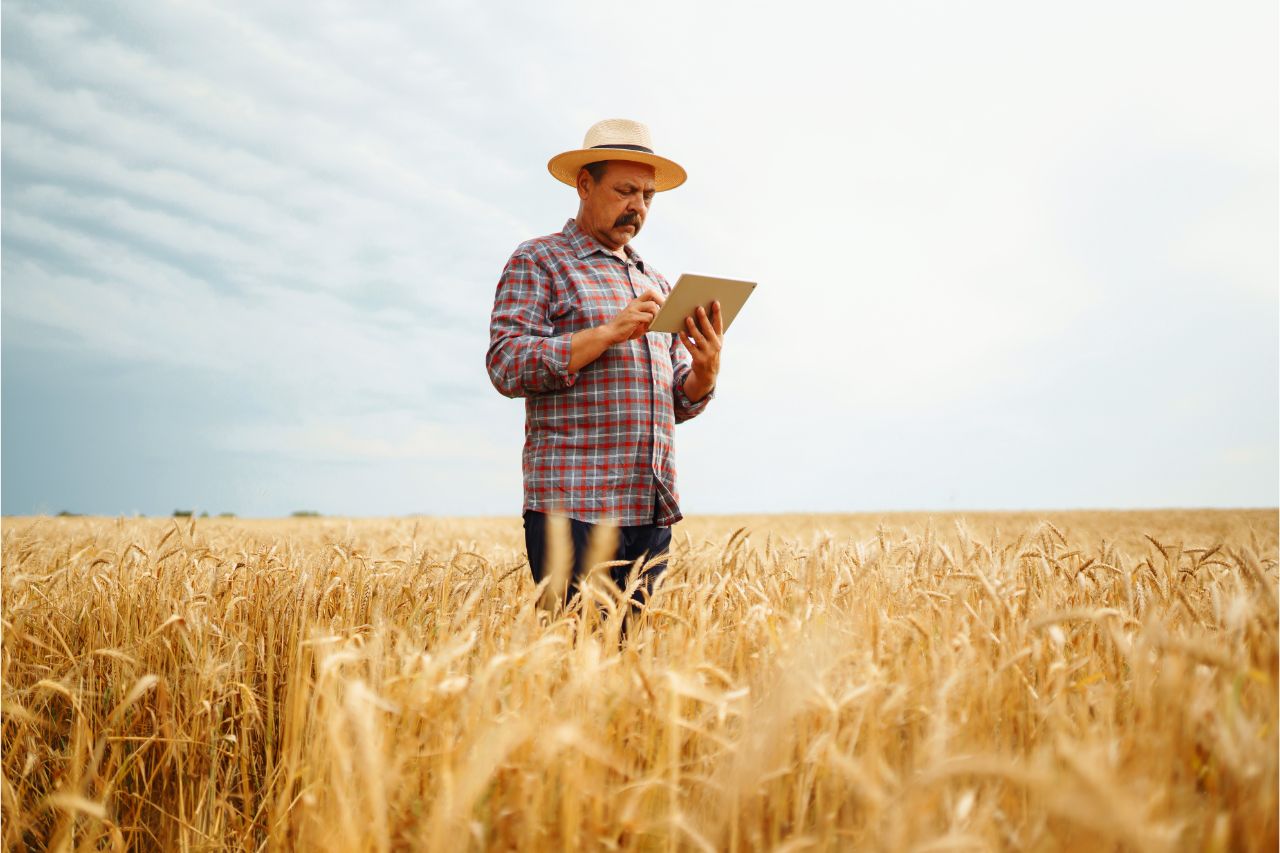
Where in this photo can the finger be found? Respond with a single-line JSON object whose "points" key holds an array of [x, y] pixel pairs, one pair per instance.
{"points": [[705, 327], [709, 329], [718, 316], [641, 315], [694, 331], [652, 296]]}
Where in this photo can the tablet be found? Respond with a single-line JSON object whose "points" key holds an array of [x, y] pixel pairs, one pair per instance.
{"points": [[694, 290]]}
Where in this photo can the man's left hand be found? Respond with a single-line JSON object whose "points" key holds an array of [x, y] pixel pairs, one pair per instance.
{"points": [[702, 337]]}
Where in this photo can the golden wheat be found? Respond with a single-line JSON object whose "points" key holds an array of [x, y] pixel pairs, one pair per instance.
{"points": [[896, 682]]}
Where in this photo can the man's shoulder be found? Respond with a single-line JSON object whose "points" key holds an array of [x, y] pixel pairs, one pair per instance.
{"points": [[545, 248]]}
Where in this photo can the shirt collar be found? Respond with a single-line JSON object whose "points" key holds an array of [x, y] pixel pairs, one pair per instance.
{"points": [[584, 244]]}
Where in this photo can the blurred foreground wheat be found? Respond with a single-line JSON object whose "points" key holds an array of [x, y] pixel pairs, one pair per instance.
{"points": [[987, 682]]}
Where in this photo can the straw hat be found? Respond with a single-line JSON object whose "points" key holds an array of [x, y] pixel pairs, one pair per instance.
{"points": [[617, 139]]}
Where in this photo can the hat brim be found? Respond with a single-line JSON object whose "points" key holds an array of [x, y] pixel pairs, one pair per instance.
{"points": [[667, 174]]}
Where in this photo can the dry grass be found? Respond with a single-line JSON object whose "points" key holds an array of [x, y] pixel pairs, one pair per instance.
{"points": [[807, 682]]}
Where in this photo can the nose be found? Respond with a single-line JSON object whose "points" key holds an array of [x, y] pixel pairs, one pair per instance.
{"points": [[637, 204]]}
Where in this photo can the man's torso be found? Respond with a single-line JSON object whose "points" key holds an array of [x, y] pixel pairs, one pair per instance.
{"points": [[602, 448]]}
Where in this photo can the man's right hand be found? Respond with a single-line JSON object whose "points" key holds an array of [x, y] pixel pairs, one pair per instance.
{"points": [[633, 321], [629, 323]]}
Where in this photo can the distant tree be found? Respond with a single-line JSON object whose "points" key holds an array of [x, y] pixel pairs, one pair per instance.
{"points": [[226, 515], [305, 513], [182, 513], [68, 514], [204, 515]]}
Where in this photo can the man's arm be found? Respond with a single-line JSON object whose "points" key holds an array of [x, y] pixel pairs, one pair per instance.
{"points": [[695, 362], [588, 345], [695, 387], [525, 355], [628, 324]]}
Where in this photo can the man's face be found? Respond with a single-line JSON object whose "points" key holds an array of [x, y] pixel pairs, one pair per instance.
{"points": [[614, 208]]}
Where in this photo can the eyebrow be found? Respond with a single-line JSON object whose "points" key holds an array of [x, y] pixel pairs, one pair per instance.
{"points": [[631, 185]]}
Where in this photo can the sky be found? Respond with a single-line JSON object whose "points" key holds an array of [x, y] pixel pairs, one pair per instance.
{"points": [[1010, 255]]}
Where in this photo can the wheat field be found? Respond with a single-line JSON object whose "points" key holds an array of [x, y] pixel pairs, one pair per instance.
{"points": [[1062, 681]]}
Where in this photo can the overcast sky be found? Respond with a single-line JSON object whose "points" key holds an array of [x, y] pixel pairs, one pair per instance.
{"points": [[1010, 255]]}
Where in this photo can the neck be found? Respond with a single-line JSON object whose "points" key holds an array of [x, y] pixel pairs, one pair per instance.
{"points": [[620, 251]]}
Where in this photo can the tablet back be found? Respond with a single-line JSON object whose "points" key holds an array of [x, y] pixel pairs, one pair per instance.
{"points": [[693, 290]]}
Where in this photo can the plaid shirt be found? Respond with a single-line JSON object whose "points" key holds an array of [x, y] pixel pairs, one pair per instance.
{"points": [[598, 443]]}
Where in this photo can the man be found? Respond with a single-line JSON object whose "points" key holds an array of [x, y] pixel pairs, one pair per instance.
{"points": [[569, 333]]}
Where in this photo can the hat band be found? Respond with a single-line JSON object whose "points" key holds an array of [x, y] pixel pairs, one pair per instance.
{"points": [[625, 148]]}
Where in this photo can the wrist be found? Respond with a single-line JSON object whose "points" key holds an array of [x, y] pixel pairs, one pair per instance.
{"points": [[588, 345], [697, 386], [608, 335]]}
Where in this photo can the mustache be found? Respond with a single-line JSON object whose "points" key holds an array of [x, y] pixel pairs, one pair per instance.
{"points": [[628, 219]]}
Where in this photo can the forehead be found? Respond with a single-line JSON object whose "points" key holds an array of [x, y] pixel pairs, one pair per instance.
{"points": [[627, 170]]}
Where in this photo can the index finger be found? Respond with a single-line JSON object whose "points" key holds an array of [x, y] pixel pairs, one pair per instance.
{"points": [[718, 317], [652, 296]]}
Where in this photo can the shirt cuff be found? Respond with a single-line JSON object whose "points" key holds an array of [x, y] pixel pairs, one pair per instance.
{"points": [[555, 358], [687, 406]]}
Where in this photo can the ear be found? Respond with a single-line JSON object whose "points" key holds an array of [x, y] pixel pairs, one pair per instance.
{"points": [[584, 183]]}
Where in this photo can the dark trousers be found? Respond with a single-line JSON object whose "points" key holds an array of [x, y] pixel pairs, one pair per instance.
{"points": [[640, 540]]}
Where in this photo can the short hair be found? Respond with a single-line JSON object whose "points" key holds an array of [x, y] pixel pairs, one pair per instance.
{"points": [[596, 170]]}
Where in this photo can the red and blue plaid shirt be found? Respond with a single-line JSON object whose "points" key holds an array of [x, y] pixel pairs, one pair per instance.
{"points": [[598, 443]]}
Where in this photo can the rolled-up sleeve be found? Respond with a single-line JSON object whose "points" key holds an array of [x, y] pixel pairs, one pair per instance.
{"points": [[681, 366], [525, 355]]}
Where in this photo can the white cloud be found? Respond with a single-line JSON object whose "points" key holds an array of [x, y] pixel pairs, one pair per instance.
{"points": [[945, 206], [388, 435]]}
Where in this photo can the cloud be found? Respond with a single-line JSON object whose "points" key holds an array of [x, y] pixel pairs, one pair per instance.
{"points": [[302, 213], [385, 435]]}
